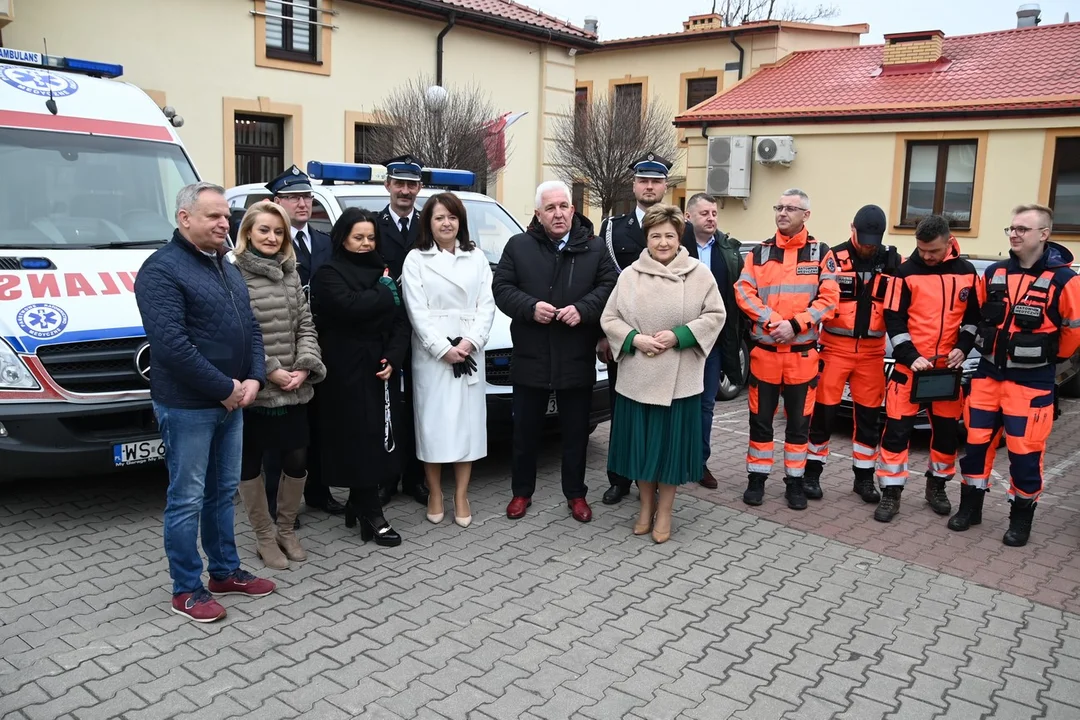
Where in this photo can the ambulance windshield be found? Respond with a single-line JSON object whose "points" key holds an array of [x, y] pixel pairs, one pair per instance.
{"points": [[66, 190]]}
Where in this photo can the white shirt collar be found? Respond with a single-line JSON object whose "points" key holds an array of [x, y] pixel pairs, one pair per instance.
{"points": [[639, 214], [307, 235], [398, 218]]}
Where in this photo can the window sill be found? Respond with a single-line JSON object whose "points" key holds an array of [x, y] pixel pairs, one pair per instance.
{"points": [[291, 57]]}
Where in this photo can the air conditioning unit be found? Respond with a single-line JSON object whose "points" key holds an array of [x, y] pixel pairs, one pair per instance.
{"points": [[775, 150], [727, 172]]}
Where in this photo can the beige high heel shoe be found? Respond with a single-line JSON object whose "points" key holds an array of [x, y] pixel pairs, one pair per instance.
{"points": [[435, 518], [466, 520]]}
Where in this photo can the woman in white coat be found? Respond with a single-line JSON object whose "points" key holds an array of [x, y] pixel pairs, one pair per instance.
{"points": [[447, 285]]}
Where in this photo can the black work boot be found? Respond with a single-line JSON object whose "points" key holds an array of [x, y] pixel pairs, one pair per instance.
{"points": [[935, 495], [970, 512], [795, 494], [755, 489], [890, 503], [1021, 516], [865, 485], [812, 479]]}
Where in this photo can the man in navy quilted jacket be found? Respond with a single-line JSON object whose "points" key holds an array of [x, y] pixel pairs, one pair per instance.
{"points": [[206, 363]]}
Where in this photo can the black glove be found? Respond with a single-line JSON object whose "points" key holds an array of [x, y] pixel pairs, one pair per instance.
{"points": [[466, 366]]}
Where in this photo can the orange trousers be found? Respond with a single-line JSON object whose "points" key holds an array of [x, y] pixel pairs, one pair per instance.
{"points": [[892, 464], [1025, 414], [865, 375], [773, 375]]}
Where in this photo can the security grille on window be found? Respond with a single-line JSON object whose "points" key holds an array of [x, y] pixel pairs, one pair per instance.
{"points": [[363, 151], [940, 180], [260, 148], [698, 90], [1065, 184], [292, 29]]}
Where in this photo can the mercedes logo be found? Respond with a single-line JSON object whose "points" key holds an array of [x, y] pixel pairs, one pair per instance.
{"points": [[142, 361]]}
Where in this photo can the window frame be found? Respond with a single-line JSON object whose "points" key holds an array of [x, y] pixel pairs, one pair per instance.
{"points": [[268, 57], [1072, 228], [939, 179], [288, 20], [687, 103], [255, 151], [900, 172]]}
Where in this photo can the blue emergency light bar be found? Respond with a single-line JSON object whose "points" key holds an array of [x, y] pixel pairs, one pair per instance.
{"points": [[54, 62], [339, 172], [362, 173]]}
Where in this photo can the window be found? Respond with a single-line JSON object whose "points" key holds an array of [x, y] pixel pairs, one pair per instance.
{"points": [[260, 148], [625, 205], [364, 146], [939, 179], [291, 32], [581, 103], [1065, 184], [578, 196], [698, 90], [628, 98]]}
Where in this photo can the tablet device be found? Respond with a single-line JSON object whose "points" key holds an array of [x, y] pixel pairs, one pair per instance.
{"points": [[936, 384]]}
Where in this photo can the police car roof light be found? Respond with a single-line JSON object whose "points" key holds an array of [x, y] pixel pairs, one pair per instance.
{"points": [[448, 178], [339, 172], [75, 65]]}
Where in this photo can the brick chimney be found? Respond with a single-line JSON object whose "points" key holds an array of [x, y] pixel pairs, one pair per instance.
{"points": [[697, 23], [913, 48]]}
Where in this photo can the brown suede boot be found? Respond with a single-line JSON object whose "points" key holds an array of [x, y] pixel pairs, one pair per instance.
{"points": [[290, 493], [253, 495]]}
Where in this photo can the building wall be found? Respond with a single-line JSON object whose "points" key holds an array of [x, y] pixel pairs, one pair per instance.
{"points": [[210, 71], [843, 167]]}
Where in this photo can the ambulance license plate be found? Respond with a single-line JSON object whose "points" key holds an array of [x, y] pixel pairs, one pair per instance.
{"points": [[552, 406], [137, 453]]}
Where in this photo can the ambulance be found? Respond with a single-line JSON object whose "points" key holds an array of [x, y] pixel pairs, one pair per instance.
{"points": [[91, 169]]}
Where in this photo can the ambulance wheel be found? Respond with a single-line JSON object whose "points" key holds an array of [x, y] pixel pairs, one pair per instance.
{"points": [[729, 390]]}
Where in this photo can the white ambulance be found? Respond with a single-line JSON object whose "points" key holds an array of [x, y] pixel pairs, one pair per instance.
{"points": [[91, 169]]}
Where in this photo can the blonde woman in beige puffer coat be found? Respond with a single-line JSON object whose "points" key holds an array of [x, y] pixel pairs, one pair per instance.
{"points": [[277, 421]]}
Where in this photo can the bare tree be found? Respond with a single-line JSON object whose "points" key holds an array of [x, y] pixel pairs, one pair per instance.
{"points": [[595, 144], [739, 12], [443, 129]]}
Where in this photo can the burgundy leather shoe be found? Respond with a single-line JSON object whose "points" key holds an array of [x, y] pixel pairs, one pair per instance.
{"points": [[516, 509], [707, 479], [580, 509]]}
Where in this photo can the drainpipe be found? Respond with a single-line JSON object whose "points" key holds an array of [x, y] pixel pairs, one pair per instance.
{"points": [[439, 48], [738, 47]]}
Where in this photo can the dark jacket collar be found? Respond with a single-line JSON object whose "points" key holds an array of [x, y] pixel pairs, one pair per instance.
{"points": [[191, 247], [1055, 256], [581, 231]]}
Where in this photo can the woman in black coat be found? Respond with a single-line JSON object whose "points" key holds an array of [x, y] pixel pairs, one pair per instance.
{"points": [[364, 333]]}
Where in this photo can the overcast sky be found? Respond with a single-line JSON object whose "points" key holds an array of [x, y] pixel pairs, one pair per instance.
{"points": [[619, 18]]}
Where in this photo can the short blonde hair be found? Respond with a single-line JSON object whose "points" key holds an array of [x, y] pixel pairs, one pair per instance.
{"points": [[263, 207], [660, 214], [1046, 212]]}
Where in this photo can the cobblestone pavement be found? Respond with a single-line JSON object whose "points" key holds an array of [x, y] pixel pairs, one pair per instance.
{"points": [[758, 616]]}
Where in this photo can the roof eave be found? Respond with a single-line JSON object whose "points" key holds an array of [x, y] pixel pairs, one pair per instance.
{"points": [[723, 33], [484, 21], [957, 114]]}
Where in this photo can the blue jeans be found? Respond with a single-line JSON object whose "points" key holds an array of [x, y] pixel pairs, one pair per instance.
{"points": [[708, 400], [202, 454]]}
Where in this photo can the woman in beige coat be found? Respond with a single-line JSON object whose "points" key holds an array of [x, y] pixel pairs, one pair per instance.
{"points": [[661, 320], [277, 421]]}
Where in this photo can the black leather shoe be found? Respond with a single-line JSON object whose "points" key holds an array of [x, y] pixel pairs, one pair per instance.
{"points": [[420, 494], [755, 490], [331, 506], [614, 494], [383, 533]]}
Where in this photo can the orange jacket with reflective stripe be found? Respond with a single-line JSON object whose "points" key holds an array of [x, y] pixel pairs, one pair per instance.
{"points": [[859, 323], [788, 279], [931, 309]]}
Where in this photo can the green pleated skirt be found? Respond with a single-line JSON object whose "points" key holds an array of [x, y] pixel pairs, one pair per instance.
{"points": [[653, 443]]}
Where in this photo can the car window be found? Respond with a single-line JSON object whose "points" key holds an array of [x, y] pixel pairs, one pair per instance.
{"points": [[320, 219], [254, 198]]}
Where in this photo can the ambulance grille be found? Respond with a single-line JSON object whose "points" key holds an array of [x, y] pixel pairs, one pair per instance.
{"points": [[497, 366], [97, 366]]}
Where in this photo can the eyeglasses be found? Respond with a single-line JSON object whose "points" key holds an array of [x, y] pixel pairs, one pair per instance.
{"points": [[788, 208], [1021, 230], [297, 197]]}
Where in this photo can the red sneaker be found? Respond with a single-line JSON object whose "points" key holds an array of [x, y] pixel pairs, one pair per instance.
{"points": [[516, 509], [242, 583], [580, 509], [199, 606]]}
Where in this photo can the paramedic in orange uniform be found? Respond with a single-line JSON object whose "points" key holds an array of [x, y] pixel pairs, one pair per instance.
{"points": [[1030, 318], [930, 314], [787, 287], [853, 352]]}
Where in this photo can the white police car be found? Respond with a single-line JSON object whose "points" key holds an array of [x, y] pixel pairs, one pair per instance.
{"points": [[91, 169], [345, 185]]}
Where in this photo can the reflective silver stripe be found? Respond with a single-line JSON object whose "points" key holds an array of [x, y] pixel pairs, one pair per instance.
{"points": [[817, 314], [809, 335], [815, 253], [1026, 366], [892, 481], [875, 333], [814, 448], [795, 472], [840, 331], [864, 449], [1043, 283], [892, 469], [827, 276], [763, 314], [796, 456], [1027, 352], [862, 464], [901, 338], [762, 454], [980, 483], [998, 279], [765, 251], [756, 468], [970, 329], [1070, 323], [786, 288], [817, 457]]}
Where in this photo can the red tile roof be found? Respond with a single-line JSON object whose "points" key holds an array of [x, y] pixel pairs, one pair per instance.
{"points": [[1029, 69], [519, 13]]}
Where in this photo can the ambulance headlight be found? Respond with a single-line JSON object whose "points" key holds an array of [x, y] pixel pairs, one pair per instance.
{"points": [[14, 375]]}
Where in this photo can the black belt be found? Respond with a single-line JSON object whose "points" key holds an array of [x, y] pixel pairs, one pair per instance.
{"points": [[793, 348]]}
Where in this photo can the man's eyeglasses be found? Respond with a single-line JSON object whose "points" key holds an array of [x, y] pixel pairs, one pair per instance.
{"points": [[297, 197], [1021, 230], [789, 208]]}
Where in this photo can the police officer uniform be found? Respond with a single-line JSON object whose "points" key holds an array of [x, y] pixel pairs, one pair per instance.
{"points": [[313, 248], [624, 240], [397, 236]]}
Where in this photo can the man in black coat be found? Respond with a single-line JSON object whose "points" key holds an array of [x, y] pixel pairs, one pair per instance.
{"points": [[705, 242], [292, 191], [552, 282], [624, 240], [399, 229]]}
